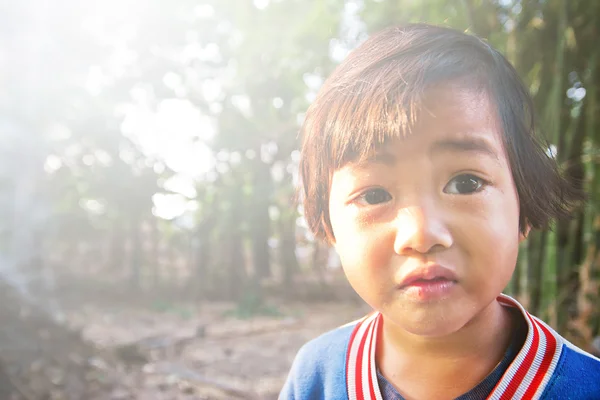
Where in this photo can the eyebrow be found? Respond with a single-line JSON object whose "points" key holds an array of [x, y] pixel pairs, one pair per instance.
{"points": [[476, 145], [380, 158], [460, 145]]}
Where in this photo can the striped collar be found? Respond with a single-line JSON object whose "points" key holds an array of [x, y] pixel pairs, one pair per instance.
{"points": [[525, 378]]}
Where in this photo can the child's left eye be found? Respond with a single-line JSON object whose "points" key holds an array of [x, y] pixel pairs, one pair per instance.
{"points": [[464, 184]]}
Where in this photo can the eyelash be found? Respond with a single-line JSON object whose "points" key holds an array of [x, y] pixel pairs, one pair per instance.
{"points": [[362, 197], [481, 183]]}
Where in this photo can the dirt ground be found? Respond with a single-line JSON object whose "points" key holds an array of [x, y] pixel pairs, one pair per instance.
{"points": [[168, 350], [203, 353], [117, 345]]}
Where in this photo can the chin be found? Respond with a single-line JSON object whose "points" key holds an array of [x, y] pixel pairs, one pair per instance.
{"points": [[432, 330], [431, 326]]}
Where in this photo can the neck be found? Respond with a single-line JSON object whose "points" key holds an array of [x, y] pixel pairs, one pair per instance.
{"points": [[458, 361]]}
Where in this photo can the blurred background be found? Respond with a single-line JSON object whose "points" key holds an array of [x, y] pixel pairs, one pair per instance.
{"points": [[150, 244]]}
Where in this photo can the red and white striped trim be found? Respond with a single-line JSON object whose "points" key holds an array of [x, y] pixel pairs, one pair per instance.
{"points": [[525, 378], [361, 373]]}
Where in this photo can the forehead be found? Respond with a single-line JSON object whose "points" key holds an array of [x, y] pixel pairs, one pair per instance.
{"points": [[456, 106], [450, 118]]}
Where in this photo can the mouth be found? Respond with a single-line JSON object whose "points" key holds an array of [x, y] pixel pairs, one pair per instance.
{"points": [[421, 282], [428, 282], [431, 274]]}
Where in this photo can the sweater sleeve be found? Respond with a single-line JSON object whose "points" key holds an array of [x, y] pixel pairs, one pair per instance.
{"points": [[319, 369], [303, 380]]}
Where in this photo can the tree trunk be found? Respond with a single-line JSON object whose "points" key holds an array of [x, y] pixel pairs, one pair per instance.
{"points": [[260, 222], [287, 249], [202, 255], [155, 251], [536, 263], [136, 253], [116, 259], [236, 268]]}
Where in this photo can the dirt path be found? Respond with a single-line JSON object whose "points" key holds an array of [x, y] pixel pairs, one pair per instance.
{"points": [[188, 352]]}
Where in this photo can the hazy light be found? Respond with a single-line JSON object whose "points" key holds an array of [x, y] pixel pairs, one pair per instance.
{"points": [[141, 93], [211, 52], [59, 132], [158, 168], [224, 27], [103, 157], [194, 160], [215, 108], [73, 151], [274, 213], [193, 205], [222, 156], [95, 80], [242, 103], [313, 81], [204, 11], [88, 160], [261, 4], [182, 185], [222, 167], [211, 90], [277, 102], [295, 156], [235, 158], [191, 52], [171, 134], [277, 171], [93, 206], [576, 94], [127, 155], [268, 152], [52, 164], [173, 81], [168, 206], [517, 9], [338, 50]]}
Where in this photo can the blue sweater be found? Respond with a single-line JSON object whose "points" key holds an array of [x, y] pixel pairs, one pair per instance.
{"points": [[341, 365]]}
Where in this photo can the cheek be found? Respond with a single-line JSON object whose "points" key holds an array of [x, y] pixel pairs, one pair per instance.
{"points": [[503, 220], [366, 267], [492, 236], [364, 249], [365, 255]]}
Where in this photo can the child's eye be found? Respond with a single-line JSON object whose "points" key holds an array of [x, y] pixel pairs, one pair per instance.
{"points": [[464, 184], [374, 196]]}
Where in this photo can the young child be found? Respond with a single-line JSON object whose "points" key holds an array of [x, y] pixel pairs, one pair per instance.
{"points": [[420, 165]]}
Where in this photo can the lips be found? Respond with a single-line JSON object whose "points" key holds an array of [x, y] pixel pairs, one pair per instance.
{"points": [[427, 274]]}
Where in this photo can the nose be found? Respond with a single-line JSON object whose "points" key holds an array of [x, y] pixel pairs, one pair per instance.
{"points": [[421, 230]]}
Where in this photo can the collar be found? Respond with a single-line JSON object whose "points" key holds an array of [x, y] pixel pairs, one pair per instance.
{"points": [[525, 378]]}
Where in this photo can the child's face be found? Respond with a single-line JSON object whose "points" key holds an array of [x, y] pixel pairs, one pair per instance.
{"points": [[439, 205]]}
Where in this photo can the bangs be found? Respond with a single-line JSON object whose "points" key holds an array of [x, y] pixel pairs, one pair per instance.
{"points": [[363, 117], [358, 120], [363, 107]]}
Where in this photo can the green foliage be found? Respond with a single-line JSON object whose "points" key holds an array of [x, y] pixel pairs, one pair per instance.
{"points": [[169, 307], [252, 305]]}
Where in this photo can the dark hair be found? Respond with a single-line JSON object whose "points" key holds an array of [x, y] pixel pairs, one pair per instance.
{"points": [[372, 97]]}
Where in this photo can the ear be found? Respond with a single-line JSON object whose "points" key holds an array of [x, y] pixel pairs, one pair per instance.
{"points": [[523, 235]]}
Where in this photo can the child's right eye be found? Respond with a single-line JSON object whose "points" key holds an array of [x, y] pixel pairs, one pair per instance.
{"points": [[374, 196]]}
